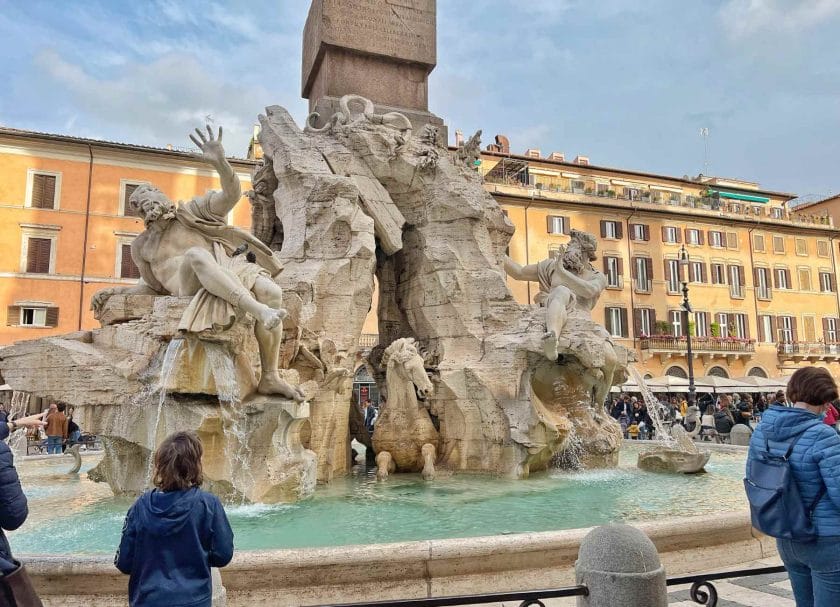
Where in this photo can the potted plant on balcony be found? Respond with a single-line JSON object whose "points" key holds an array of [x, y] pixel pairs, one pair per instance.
{"points": [[663, 328], [714, 329], [611, 193], [587, 191]]}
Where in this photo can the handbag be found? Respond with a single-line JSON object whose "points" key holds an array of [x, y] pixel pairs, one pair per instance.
{"points": [[16, 589]]}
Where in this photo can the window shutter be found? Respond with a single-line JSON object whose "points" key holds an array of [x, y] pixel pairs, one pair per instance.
{"points": [[825, 329], [832, 281], [548, 224], [646, 232], [624, 327], [633, 272], [619, 262], [637, 322], [652, 320], [607, 321], [742, 278], [38, 255], [756, 281], [13, 316], [667, 270], [774, 333], [129, 211], [619, 230], [649, 268], [686, 234], [128, 269], [679, 235], [43, 191], [606, 264], [732, 240], [787, 278], [567, 226], [775, 278], [793, 327], [52, 317], [664, 234], [729, 274], [704, 275], [603, 229], [700, 236], [746, 326], [710, 236]]}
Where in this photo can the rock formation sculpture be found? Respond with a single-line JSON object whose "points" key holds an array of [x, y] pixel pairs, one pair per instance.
{"points": [[681, 457], [404, 429]]}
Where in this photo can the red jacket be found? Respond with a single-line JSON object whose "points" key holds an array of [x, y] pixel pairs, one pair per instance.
{"points": [[831, 416]]}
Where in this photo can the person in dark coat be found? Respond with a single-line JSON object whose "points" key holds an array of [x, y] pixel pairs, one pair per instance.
{"points": [[13, 506], [815, 467], [175, 533]]}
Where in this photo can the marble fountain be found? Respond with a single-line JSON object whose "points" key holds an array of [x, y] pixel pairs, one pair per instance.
{"points": [[251, 340]]}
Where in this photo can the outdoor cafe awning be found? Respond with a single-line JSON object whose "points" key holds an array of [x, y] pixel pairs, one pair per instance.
{"points": [[747, 197]]}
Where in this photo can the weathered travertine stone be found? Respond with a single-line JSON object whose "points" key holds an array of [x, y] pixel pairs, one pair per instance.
{"points": [[381, 49], [672, 460]]}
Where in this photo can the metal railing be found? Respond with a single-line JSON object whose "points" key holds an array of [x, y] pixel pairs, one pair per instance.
{"points": [[702, 592], [368, 340], [800, 348], [668, 343]]}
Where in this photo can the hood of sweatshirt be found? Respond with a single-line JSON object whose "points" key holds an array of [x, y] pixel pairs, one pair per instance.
{"points": [[780, 424], [165, 512]]}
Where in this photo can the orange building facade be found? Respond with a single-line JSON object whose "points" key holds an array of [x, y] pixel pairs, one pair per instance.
{"points": [[66, 225]]}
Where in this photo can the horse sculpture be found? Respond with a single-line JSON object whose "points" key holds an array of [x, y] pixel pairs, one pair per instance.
{"points": [[404, 438]]}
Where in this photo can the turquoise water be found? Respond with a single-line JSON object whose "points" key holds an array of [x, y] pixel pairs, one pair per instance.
{"points": [[71, 514]]}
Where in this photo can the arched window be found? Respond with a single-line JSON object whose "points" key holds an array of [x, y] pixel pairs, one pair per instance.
{"points": [[676, 371], [718, 372], [648, 376], [757, 372]]}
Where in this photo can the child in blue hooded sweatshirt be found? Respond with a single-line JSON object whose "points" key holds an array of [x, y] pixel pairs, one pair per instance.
{"points": [[173, 534]]}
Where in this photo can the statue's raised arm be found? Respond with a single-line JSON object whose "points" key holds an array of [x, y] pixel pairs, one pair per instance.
{"points": [[212, 152]]}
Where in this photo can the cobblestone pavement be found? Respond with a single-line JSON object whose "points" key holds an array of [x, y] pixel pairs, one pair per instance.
{"points": [[771, 590]]}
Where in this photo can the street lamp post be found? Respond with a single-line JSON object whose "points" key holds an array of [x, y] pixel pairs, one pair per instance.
{"points": [[686, 309]]}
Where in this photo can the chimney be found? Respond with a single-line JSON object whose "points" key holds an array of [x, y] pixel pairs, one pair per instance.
{"points": [[558, 156], [533, 153], [582, 160], [459, 138], [502, 145]]}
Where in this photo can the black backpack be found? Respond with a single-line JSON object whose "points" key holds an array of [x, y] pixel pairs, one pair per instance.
{"points": [[776, 507], [722, 423]]}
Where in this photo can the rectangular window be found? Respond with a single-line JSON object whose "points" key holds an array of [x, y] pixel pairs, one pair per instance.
{"points": [[739, 326], [801, 246], [786, 332], [804, 279], [776, 212], [718, 274], [736, 282], [723, 323], [762, 283], [675, 317], [716, 239], [672, 275], [578, 187], [766, 323], [697, 271], [128, 190], [613, 271], [128, 269], [43, 191], [611, 229], [779, 244], [616, 321], [670, 234], [692, 236], [32, 316], [38, 255], [674, 199], [781, 278], [758, 243], [642, 273], [645, 321], [558, 224], [640, 232], [826, 282], [701, 328], [822, 248], [632, 193], [830, 330], [809, 326], [731, 240], [601, 189]]}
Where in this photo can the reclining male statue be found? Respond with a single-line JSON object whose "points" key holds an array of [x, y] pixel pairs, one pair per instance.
{"points": [[189, 250]]}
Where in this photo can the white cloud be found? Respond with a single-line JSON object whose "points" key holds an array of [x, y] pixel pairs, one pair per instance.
{"points": [[742, 18]]}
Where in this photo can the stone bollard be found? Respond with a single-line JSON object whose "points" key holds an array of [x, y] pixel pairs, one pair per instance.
{"points": [[620, 566], [740, 435]]}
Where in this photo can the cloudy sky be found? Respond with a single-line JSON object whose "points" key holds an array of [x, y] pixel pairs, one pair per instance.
{"points": [[628, 83]]}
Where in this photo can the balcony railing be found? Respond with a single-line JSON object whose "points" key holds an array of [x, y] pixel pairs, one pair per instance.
{"points": [[801, 349], [666, 343], [368, 340], [697, 202]]}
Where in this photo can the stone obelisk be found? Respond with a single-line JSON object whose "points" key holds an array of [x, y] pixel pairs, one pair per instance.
{"points": [[383, 50]]}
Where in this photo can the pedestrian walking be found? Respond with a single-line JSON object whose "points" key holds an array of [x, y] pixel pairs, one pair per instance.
{"points": [[174, 533]]}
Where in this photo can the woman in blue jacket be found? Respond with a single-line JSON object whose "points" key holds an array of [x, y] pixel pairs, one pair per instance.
{"points": [[814, 567], [173, 534]]}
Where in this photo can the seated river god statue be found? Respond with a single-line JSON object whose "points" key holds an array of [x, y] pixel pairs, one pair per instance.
{"points": [[189, 250]]}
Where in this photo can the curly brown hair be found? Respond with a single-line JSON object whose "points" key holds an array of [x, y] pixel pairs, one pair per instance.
{"points": [[178, 462], [812, 385]]}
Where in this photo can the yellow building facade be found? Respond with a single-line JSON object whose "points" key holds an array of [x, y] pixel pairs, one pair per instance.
{"points": [[66, 227], [762, 280]]}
